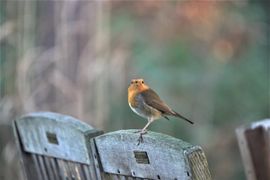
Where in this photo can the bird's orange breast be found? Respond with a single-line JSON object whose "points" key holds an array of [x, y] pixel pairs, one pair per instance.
{"points": [[133, 91], [131, 97]]}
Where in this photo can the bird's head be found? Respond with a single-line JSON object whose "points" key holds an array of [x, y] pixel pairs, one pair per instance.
{"points": [[137, 85]]}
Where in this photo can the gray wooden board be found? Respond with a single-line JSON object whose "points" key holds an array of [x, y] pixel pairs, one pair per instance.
{"points": [[54, 135], [166, 155], [94, 157], [254, 144], [80, 125], [30, 170], [198, 164]]}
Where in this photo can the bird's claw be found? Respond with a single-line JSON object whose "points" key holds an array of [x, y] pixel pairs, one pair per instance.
{"points": [[140, 139]]}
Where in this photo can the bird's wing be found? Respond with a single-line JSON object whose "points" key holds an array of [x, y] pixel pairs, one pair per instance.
{"points": [[151, 98]]}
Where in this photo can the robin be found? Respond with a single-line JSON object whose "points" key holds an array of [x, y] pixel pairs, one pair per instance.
{"points": [[146, 103]]}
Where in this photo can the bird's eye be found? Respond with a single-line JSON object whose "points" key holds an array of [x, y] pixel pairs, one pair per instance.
{"points": [[136, 82], [142, 82]]}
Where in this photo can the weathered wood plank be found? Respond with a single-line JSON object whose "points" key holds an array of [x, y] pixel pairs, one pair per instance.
{"points": [[49, 168], [55, 169], [37, 168], [54, 146], [44, 172], [96, 165], [198, 165], [258, 146], [245, 153], [78, 171], [113, 156], [254, 144], [158, 157], [75, 171], [63, 169], [53, 138], [27, 162], [87, 173]]}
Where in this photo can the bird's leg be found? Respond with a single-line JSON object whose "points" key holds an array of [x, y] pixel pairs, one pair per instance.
{"points": [[144, 131]]}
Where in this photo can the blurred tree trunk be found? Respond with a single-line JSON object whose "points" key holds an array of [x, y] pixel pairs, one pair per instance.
{"points": [[67, 69]]}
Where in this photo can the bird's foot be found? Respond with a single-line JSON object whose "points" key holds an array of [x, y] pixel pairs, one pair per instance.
{"points": [[141, 131], [140, 139]]}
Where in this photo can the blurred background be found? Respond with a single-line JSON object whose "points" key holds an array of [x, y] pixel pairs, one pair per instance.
{"points": [[208, 60]]}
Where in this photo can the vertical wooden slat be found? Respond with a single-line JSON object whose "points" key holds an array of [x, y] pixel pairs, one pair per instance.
{"points": [[87, 173], [79, 172], [199, 165], [41, 163], [62, 169], [55, 168], [49, 168], [254, 144], [72, 169], [69, 172], [94, 156], [31, 167], [245, 153], [257, 143], [37, 166]]}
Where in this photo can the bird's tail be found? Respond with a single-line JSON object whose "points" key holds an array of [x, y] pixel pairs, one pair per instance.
{"points": [[182, 117]]}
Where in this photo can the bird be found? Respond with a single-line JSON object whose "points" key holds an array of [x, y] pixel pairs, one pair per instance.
{"points": [[146, 103]]}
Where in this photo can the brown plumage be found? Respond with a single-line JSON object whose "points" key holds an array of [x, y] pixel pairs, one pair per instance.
{"points": [[146, 103]]}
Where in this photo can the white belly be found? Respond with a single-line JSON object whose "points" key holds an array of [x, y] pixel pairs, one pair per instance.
{"points": [[142, 114], [137, 111]]}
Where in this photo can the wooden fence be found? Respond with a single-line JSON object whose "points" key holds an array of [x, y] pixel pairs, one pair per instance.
{"points": [[254, 144], [54, 146]]}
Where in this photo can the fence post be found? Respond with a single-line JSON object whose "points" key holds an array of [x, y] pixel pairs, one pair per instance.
{"points": [[158, 157], [53, 146], [254, 144]]}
